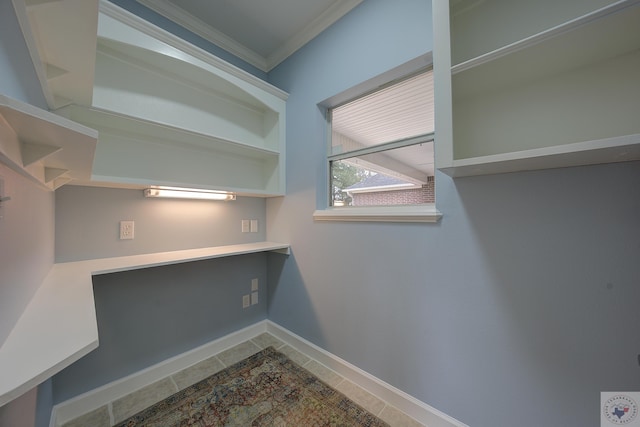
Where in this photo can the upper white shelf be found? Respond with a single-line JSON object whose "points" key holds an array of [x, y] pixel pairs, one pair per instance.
{"points": [[134, 153], [61, 37], [567, 95], [168, 112], [59, 325], [597, 36], [45, 147]]}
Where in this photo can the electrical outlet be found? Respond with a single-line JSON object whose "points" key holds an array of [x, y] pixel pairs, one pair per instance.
{"points": [[126, 230], [246, 226], [254, 285], [254, 225], [246, 301], [254, 298]]}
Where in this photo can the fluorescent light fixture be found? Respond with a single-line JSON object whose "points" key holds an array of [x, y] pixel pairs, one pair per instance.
{"points": [[188, 193]]}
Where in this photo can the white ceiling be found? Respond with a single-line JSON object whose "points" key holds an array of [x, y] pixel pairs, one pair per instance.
{"points": [[261, 32]]}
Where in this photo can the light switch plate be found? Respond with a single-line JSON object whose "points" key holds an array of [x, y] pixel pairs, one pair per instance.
{"points": [[254, 225]]}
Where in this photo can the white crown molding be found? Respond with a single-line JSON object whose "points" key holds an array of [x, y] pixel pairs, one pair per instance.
{"points": [[196, 26], [309, 32], [128, 18]]}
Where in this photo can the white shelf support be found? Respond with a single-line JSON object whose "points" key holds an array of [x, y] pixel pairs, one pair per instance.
{"points": [[32, 153]]}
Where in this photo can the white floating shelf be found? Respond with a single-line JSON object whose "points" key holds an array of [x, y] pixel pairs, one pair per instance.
{"points": [[59, 324], [565, 96], [597, 36], [44, 146], [135, 153], [168, 112]]}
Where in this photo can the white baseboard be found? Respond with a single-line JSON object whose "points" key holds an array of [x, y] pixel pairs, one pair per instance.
{"points": [[94, 399], [406, 403], [86, 402]]}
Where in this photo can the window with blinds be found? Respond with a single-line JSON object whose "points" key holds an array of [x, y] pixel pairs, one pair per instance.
{"points": [[381, 150]]}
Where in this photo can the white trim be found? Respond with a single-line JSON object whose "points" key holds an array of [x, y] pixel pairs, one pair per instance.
{"points": [[200, 28], [121, 15], [401, 213], [266, 64], [91, 400], [310, 31], [406, 403]]}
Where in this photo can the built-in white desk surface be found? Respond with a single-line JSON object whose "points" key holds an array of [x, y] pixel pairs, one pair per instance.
{"points": [[59, 324]]}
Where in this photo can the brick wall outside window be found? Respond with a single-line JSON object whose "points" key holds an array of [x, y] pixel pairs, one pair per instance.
{"points": [[413, 196]]}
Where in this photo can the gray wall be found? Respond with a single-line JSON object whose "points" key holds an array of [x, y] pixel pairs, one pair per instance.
{"points": [[517, 308], [147, 316], [88, 222]]}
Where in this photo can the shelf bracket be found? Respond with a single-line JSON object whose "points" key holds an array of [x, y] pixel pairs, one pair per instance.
{"points": [[52, 173], [32, 153]]}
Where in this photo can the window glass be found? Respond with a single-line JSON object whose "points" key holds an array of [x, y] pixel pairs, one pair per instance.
{"points": [[382, 146]]}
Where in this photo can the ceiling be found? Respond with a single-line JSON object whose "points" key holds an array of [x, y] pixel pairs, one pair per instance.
{"points": [[261, 32]]}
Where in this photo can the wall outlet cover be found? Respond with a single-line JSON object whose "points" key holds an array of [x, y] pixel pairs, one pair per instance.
{"points": [[126, 230]]}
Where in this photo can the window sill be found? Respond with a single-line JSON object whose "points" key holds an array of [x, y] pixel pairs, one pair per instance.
{"points": [[406, 213]]}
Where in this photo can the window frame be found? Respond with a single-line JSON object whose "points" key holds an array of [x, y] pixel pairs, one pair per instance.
{"points": [[426, 212]]}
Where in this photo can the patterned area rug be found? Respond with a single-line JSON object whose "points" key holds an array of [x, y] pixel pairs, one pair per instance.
{"points": [[266, 389]]}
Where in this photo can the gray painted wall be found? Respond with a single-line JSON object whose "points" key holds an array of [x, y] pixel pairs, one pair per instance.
{"points": [[147, 316], [88, 222], [517, 308]]}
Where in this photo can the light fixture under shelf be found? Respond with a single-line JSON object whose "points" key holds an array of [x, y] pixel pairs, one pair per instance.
{"points": [[188, 193]]}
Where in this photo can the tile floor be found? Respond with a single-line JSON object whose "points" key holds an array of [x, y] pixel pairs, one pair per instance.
{"points": [[123, 408]]}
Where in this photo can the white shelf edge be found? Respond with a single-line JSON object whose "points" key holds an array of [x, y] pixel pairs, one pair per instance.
{"points": [[608, 150], [542, 36], [403, 213], [135, 262], [144, 123], [59, 325], [140, 183]]}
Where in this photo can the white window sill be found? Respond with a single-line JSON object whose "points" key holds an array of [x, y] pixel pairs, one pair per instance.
{"points": [[405, 213]]}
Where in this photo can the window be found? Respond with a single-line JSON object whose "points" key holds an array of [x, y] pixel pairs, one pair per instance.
{"points": [[381, 162]]}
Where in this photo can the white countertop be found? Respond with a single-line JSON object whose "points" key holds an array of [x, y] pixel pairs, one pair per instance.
{"points": [[59, 324]]}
